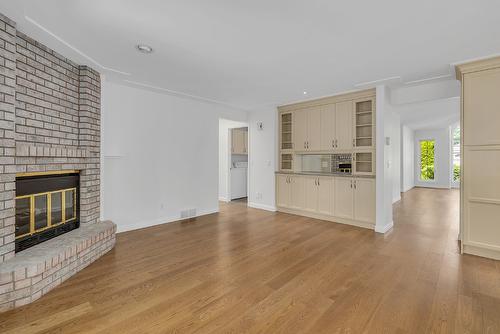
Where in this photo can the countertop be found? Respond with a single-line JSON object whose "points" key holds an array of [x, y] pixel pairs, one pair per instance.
{"points": [[327, 174]]}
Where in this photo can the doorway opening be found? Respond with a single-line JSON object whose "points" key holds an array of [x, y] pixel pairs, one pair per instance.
{"points": [[233, 161]]}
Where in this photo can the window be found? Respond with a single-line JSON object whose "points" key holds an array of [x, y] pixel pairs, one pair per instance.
{"points": [[456, 154], [427, 160]]}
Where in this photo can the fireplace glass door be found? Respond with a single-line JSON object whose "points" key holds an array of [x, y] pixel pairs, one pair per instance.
{"points": [[38, 212]]}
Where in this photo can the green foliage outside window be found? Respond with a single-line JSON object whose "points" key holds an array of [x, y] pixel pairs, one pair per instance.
{"points": [[456, 172], [427, 160]]}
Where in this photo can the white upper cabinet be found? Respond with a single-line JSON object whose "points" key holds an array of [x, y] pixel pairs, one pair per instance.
{"points": [[239, 138], [300, 130], [314, 129], [307, 130], [481, 103], [343, 125], [327, 128]]}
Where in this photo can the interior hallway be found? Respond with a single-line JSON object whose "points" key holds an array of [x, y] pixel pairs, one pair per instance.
{"points": [[247, 270]]}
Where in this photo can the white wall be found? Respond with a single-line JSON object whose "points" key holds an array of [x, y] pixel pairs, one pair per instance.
{"points": [[224, 154], [407, 159], [393, 131], [442, 157], [384, 178], [161, 155], [263, 157]]}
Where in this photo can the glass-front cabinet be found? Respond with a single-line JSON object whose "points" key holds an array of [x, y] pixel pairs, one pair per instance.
{"points": [[364, 124]]}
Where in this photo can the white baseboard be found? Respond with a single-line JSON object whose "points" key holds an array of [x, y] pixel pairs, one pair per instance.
{"points": [[223, 199], [148, 223], [384, 229], [408, 189], [261, 206], [395, 200]]}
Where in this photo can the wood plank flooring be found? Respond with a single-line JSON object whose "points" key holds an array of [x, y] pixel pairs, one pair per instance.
{"points": [[251, 271]]}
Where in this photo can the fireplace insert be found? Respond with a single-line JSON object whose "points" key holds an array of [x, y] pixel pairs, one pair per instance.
{"points": [[47, 205]]}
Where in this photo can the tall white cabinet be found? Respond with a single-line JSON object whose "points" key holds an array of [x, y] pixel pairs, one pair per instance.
{"points": [[480, 163]]}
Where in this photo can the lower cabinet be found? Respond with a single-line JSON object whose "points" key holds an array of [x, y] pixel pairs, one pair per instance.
{"points": [[349, 198], [319, 194], [364, 200], [344, 197], [282, 191], [326, 195], [297, 193]]}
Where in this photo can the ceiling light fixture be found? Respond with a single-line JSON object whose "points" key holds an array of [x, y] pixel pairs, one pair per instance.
{"points": [[144, 48], [305, 93]]}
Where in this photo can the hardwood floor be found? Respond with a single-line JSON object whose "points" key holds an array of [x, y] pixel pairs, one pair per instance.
{"points": [[251, 271]]}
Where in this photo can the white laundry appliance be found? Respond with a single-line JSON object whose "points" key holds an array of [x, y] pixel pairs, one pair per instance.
{"points": [[239, 180]]}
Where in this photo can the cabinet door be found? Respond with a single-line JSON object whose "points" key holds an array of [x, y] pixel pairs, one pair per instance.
{"points": [[481, 104], [297, 196], [364, 200], [245, 142], [327, 127], [364, 163], [311, 193], [343, 125], [237, 141], [343, 197], [314, 129], [282, 191], [325, 195], [299, 130]]}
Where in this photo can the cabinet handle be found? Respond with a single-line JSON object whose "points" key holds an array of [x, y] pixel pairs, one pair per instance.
{"points": [[351, 184], [333, 143], [354, 184], [354, 143], [304, 144], [336, 143], [318, 181]]}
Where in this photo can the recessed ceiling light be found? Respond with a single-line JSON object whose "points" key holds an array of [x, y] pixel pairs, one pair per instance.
{"points": [[305, 93], [144, 48]]}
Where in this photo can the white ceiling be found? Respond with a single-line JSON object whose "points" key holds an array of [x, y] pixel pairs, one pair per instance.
{"points": [[259, 52]]}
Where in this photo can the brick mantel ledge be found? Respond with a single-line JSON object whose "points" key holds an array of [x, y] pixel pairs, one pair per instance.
{"points": [[37, 270]]}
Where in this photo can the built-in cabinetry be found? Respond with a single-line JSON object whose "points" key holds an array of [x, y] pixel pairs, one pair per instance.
{"points": [[239, 141], [329, 135], [480, 161], [337, 198], [339, 124]]}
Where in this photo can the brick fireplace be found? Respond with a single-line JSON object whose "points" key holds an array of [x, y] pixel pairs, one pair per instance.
{"points": [[49, 124]]}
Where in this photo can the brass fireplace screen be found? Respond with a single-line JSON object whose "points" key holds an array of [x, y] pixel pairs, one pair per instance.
{"points": [[39, 212]]}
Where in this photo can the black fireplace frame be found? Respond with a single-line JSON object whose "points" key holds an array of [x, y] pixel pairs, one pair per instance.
{"points": [[36, 184]]}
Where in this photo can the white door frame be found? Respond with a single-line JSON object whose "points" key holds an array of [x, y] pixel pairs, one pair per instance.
{"points": [[229, 160]]}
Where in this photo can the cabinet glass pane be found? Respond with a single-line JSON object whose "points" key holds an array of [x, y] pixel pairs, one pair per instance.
{"points": [[286, 132], [364, 126], [364, 106], [22, 216], [286, 161], [364, 162], [40, 212]]}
